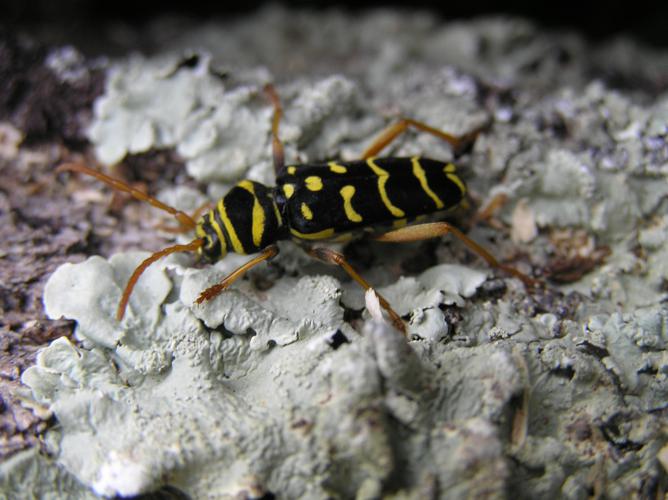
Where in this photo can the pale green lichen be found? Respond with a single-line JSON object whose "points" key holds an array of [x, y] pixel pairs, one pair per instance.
{"points": [[498, 389], [156, 103], [28, 471]]}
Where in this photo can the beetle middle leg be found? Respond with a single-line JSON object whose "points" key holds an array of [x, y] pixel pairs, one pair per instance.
{"points": [[331, 257]]}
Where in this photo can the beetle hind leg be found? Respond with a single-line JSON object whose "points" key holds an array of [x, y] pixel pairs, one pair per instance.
{"points": [[437, 229], [394, 130]]}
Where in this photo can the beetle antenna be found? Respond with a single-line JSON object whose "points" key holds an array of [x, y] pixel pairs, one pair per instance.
{"points": [[184, 219], [190, 247]]}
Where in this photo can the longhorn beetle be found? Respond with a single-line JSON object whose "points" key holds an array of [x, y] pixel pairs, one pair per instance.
{"points": [[336, 200]]}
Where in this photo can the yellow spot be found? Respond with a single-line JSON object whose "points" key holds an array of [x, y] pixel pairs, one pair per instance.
{"points": [[236, 243], [306, 212], [336, 168], [347, 193], [421, 175], [450, 170], [321, 235], [219, 232], [258, 213], [288, 189], [399, 223], [313, 183], [383, 176], [292, 170]]}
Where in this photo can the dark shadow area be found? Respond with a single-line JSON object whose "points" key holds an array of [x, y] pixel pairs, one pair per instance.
{"points": [[79, 19]]}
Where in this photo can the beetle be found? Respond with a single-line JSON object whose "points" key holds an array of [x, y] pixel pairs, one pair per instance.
{"points": [[379, 198]]}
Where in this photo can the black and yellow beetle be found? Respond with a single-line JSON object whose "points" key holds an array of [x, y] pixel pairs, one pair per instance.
{"points": [[336, 200]]}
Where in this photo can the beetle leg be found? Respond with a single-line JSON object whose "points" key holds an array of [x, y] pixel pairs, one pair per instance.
{"points": [[276, 144], [392, 131], [436, 229], [486, 213], [211, 292], [331, 257]]}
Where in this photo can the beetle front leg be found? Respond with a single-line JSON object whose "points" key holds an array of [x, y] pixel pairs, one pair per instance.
{"points": [[215, 290]]}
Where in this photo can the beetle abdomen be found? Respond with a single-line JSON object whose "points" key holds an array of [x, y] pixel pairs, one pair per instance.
{"points": [[321, 201]]}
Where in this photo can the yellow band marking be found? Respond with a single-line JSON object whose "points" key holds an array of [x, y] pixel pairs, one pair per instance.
{"points": [[313, 183], [219, 232], [288, 189], [306, 212], [321, 235], [450, 172], [383, 176], [421, 175], [200, 232], [292, 169], [336, 168], [258, 213], [236, 243], [459, 182], [347, 193]]}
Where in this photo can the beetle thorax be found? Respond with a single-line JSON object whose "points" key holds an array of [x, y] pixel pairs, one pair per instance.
{"points": [[244, 221]]}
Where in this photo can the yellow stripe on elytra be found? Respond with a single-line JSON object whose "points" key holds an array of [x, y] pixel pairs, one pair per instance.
{"points": [[320, 235], [219, 232], [258, 213], [236, 243], [347, 193], [291, 170], [306, 211], [313, 183], [288, 190], [450, 170], [421, 175], [336, 168], [383, 176]]}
